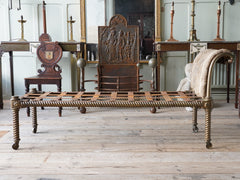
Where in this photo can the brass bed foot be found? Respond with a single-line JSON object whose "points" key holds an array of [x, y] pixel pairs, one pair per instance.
{"points": [[208, 144], [153, 110], [83, 110], [34, 130], [15, 145]]}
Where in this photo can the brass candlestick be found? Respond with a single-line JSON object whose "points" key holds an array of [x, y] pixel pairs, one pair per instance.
{"points": [[71, 21], [193, 33], [44, 36], [171, 34], [22, 28], [218, 22]]}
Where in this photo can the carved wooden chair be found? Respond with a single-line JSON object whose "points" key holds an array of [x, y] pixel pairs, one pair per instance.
{"points": [[118, 52], [49, 53]]}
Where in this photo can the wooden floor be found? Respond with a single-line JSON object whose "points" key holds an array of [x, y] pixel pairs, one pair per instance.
{"points": [[125, 144]]}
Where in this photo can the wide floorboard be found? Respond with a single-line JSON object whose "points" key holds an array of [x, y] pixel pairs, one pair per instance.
{"points": [[121, 143]]}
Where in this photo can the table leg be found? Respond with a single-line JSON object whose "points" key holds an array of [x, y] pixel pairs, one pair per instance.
{"points": [[26, 91], [1, 93], [228, 81], [157, 87], [11, 71], [238, 99], [237, 74]]}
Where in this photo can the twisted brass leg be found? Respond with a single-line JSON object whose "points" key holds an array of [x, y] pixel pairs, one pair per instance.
{"points": [[153, 110], [208, 109], [15, 110], [194, 120], [42, 108], [60, 109], [34, 119]]}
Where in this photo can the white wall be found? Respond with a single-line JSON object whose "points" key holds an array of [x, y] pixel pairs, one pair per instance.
{"points": [[59, 11], [95, 16], [205, 25], [26, 63]]}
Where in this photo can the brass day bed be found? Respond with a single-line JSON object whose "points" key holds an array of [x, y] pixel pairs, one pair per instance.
{"points": [[199, 97]]}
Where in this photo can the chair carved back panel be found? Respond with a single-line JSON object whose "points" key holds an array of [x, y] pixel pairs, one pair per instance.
{"points": [[49, 53], [118, 48], [118, 42]]}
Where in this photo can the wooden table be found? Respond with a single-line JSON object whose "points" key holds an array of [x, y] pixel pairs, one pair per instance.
{"points": [[196, 46], [10, 46]]}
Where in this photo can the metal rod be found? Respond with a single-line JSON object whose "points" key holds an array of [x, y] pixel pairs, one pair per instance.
{"points": [[10, 4], [44, 18], [11, 71], [19, 5]]}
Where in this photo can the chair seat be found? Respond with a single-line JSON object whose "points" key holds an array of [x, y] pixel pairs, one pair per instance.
{"points": [[41, 77], [42, 80]]}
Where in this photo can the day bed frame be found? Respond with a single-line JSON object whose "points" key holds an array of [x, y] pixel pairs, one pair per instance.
{"points": [[160, 99]]}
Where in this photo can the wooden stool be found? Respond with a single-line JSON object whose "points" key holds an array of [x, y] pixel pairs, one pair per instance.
{"points": [[49, 53]]}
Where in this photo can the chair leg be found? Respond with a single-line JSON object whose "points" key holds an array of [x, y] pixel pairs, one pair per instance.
{"points": [[59, 88], [26, 91], [60, 111], [40, 89]]}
